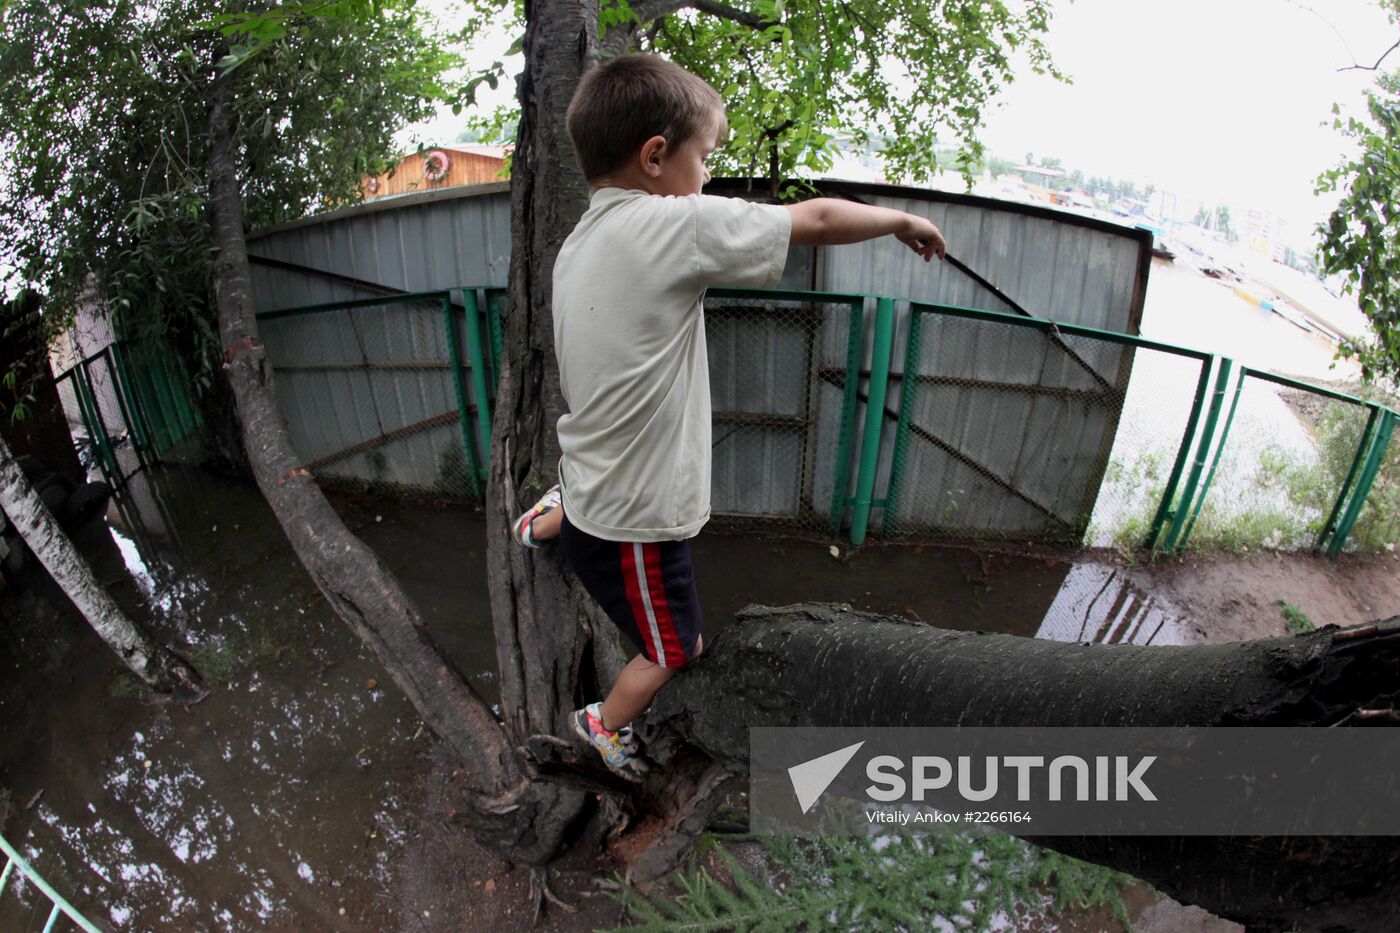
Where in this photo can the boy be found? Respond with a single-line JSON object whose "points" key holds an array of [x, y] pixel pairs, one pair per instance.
{"points": [[634, 478]]}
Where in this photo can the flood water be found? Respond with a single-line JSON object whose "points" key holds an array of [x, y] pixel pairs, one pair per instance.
{"points": [[282, 800]]}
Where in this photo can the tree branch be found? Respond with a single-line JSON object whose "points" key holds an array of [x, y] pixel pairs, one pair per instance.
{"points": [[619, 39], [724, 11], [646, 12], [1377, 65]]}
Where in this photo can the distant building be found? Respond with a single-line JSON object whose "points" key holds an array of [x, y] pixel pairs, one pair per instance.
{"points": [[440, 167], [1265, 233], [1044, 183]]}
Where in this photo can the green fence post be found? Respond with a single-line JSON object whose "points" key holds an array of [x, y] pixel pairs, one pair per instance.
{"points": [[477, 353], [874, 417], [455, 361], [1330, 526], [1374, 459], [1219, 449], [1192, 422], [909, 382], [846, 437], [493, 331], [1188, 492]]}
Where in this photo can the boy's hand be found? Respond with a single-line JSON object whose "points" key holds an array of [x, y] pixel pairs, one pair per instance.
{"points": [[920, 235]]}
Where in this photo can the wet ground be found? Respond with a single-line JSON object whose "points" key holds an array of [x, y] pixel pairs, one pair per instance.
{"points": [[303, 793]]}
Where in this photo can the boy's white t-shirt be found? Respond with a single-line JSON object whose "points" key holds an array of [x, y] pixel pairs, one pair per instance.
{"points": [[629, 333]]}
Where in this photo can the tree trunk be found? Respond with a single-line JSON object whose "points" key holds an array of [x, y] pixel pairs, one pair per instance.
{"points": [[792, 667], [157, 666], [356, 583], [555, 650]]}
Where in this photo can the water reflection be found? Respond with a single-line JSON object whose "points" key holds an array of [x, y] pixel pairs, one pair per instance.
{"points": [[1097, 603], [279, 798]]}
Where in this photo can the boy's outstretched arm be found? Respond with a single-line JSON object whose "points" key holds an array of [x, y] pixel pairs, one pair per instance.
{"points": [[833, 221]]}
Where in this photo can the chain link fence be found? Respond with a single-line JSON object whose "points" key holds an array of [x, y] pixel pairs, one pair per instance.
{"points": [[784, 405], [387, 394], [1281, 468]]}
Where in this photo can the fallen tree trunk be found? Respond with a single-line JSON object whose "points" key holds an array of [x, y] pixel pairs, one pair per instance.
{"points": [[157, 666], [826, 665]]}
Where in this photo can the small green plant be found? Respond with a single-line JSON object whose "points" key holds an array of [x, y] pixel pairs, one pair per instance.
{"points": [[452, 468], [1296, 619], [1132, 532], [378, 464], [1128, 499]]}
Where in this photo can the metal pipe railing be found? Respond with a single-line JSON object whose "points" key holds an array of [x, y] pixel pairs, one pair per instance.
{"points": [[60, 903], [1182, 513]]}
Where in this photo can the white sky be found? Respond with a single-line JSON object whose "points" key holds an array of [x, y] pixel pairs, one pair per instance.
{"points": [[1224, 100], [1227, 101]]}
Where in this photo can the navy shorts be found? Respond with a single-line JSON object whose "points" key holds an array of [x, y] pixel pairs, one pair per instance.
{"points": [[647, 589]]}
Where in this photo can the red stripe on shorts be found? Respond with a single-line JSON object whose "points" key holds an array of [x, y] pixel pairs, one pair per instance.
{"points": [[670, 639], [634, 599]]}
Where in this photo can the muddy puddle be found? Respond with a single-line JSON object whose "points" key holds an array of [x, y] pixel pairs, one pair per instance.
{"points": [[284, 800]]}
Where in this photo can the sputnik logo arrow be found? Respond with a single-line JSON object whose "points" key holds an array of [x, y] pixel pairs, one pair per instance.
{"points": [[812, 777]]}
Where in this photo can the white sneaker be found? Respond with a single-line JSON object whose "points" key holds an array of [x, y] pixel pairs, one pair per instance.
{"points": [[619, 749], [521, 527]]}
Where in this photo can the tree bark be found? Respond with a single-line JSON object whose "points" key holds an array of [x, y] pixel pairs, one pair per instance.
{"points": [[555, 650], [793, 666], [356, 583], [157, 666]]}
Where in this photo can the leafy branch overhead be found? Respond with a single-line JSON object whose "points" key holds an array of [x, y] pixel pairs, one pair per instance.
{"points": [[106, 181], [899, 76], [1361, 239]]}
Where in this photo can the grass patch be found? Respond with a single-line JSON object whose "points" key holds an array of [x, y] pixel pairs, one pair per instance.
{"points": [[902, 882], [1296, 619], [1279, 497], [1133, 487], [1338, 434]]}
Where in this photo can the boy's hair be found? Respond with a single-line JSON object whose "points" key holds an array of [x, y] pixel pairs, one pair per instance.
{"points": [[627, 100]]}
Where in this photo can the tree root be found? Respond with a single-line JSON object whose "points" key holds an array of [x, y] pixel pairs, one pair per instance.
{"points": [[673, 844], [540, 892]]}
